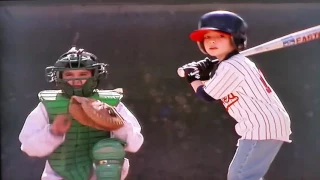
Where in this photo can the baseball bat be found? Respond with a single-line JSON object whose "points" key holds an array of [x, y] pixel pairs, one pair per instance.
{"points": [[292, 39]]}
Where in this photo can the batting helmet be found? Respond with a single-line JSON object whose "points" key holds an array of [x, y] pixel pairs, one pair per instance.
{"points": [[224, 21]]}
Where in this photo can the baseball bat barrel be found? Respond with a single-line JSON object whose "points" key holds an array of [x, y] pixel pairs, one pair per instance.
{"points": [[292, 39]]}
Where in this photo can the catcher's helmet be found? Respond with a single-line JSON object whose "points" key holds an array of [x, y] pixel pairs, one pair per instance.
{"points": [[224, 21], [76, 59]]}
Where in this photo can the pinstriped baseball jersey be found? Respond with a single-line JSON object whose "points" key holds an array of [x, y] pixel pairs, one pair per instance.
{"points": [[249, 99]]}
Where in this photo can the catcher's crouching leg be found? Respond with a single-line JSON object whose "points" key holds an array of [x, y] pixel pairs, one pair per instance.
{"points": [[108, 157]]}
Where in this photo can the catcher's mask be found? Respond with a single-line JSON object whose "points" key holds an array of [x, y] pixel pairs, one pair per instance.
{"points": [[77, 59]]}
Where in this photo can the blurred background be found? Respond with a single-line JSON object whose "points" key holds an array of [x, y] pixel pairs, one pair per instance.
{"points": [[144, 42]]}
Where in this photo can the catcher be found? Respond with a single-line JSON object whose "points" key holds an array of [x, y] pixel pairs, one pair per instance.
{"points": [[84, 132]]}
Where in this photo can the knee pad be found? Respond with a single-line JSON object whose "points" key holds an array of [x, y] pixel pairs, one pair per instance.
{"points": [[108, 157]]}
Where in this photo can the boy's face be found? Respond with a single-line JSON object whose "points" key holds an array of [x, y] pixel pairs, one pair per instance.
{"points": [[218, 44], [72, 75]]}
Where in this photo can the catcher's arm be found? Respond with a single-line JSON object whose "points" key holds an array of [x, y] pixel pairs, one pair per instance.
{"points": [[130, 132], [35, 136]]}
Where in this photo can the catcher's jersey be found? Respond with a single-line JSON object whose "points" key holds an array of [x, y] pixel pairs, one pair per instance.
{"points": [[249, 99]]}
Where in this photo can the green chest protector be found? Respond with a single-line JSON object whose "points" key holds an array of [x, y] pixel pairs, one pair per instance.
{"points": [[84, 146]]}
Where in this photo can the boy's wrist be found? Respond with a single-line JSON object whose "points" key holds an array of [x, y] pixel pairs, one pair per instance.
{"points": [[196, 84], [191, 79], [55, 133]]}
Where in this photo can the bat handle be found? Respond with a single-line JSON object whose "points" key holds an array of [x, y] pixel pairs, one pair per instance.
{"points": [[181, 72]]}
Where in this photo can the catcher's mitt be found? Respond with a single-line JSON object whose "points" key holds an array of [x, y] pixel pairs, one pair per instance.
{"points": [[94, 113]]}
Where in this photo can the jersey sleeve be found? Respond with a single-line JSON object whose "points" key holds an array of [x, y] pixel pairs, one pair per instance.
{"points": [[35, 136], [225, 80], [130, 132]]}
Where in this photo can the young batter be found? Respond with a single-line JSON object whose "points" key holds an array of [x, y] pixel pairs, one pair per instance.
{"points": [[262, 121]]}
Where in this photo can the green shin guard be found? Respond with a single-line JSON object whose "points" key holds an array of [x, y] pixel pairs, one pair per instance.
{"points": [[108, 157]]}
